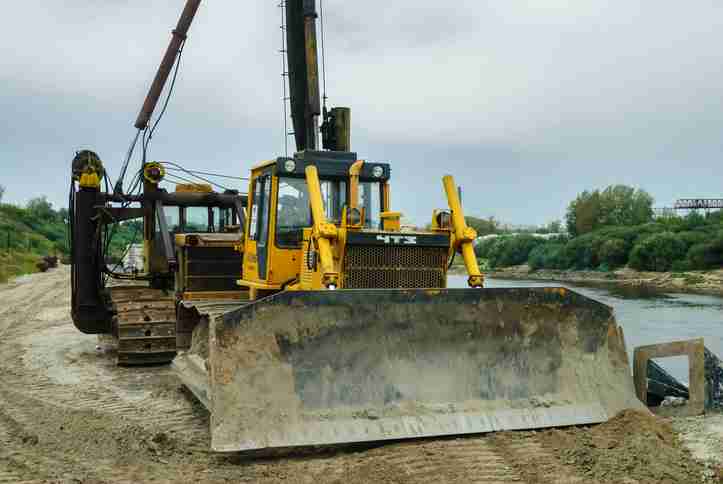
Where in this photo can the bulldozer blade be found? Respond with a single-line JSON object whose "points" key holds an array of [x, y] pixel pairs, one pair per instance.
{"points": [[335, 367]]}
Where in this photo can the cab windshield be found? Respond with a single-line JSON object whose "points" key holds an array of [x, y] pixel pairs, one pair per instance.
{"points": [[294, 209]]}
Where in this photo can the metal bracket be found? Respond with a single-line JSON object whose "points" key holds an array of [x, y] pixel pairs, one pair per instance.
{"points": [[695, 351]]}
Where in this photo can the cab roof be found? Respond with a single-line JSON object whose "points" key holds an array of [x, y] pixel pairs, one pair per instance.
{"points": [[330, 164]]}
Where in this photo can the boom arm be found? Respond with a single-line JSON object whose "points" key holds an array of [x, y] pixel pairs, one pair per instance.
{"points": [[169, 59]]}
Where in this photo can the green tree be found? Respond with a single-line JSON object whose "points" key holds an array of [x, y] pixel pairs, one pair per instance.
{"points": [[41, 209], [616, 205], [2, 192], [624, 205], [583, 213]]}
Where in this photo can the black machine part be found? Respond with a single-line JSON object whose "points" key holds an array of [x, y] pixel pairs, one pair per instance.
{"points": [[89, 310], [303, 71], [91, 213]]}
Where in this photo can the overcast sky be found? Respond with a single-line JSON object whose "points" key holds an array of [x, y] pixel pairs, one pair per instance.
{"points": [[527, 103]]}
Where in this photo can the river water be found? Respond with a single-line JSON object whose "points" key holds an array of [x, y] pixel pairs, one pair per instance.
{"points": [[648, 317]]}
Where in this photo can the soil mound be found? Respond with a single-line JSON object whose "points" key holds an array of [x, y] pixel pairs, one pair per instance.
{"points": [[634, 445]]}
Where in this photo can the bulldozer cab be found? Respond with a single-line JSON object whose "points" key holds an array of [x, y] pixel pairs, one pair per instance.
{"points": [[193, 241], [277, 242]]}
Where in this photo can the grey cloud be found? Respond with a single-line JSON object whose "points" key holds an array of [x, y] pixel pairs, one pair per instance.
{"points": [[527, 102]]}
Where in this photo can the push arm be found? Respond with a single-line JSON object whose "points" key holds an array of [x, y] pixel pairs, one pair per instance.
{"points": [[464, 236], [324, 232]]}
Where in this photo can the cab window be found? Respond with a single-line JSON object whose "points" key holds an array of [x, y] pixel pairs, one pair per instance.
{"points": [[197, 219], [333, 194], [293, 212], [259, 228], [173, 219], [370, 198]]}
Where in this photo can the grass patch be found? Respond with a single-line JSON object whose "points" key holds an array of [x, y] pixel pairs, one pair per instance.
{"points": [[16, 264]]}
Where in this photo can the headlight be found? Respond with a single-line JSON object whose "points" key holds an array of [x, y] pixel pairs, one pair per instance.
{"points": [[192, 240], [354, 217], [377, 172], [290, 166], [444, 220]]}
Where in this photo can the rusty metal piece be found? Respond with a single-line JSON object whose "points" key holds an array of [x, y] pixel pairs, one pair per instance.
{"points": [[335, 367], [169, 59], [695, 351]]}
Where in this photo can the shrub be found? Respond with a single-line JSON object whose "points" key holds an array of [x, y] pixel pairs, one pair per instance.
{"points": [[613, 253], [508, 251], [483, 248], [547, 256], [657, 252], [693, 237], [706, 255], [681, 266], [583, 252]]}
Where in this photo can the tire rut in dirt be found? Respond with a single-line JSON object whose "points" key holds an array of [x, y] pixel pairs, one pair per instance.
{"points": [[171, 414], [21, 450], [471, 460]]}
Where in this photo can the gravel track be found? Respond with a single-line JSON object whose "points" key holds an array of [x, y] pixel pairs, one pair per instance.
{"points": [[69, 415]]}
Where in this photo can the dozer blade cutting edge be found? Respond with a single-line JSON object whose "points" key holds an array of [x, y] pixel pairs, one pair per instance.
{"points": [[335, 367]]}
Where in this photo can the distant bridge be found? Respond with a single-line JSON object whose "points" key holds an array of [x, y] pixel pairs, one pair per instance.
{"points": [[699, 203]]}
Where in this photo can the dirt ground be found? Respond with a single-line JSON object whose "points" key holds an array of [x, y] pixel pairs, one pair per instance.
{"points": [[68, 415]]}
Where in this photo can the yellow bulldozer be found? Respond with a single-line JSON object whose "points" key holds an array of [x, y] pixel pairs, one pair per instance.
{"points": [[345, 330]]}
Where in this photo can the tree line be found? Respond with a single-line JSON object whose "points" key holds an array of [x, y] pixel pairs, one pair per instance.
{"points": [[612, 228], [41, 229]]}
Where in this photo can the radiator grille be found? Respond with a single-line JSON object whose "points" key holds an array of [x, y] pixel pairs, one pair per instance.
{"points": [[212, 269], [390, 267]]}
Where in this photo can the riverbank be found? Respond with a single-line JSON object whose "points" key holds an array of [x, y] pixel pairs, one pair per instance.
{"points": [[695, 282]]}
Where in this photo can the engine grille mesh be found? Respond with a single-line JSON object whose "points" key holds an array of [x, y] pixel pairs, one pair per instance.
{"points": [[391, 267], [212, 269]]}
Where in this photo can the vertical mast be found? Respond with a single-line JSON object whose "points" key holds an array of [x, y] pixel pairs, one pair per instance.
{"points": [[303, 72]]}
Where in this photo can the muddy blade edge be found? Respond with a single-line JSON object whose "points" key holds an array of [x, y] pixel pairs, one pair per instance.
{"points": [[324, 368]]}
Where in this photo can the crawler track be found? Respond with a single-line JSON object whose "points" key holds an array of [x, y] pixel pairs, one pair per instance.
{"points": [[68, 413], [144, 325]]}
